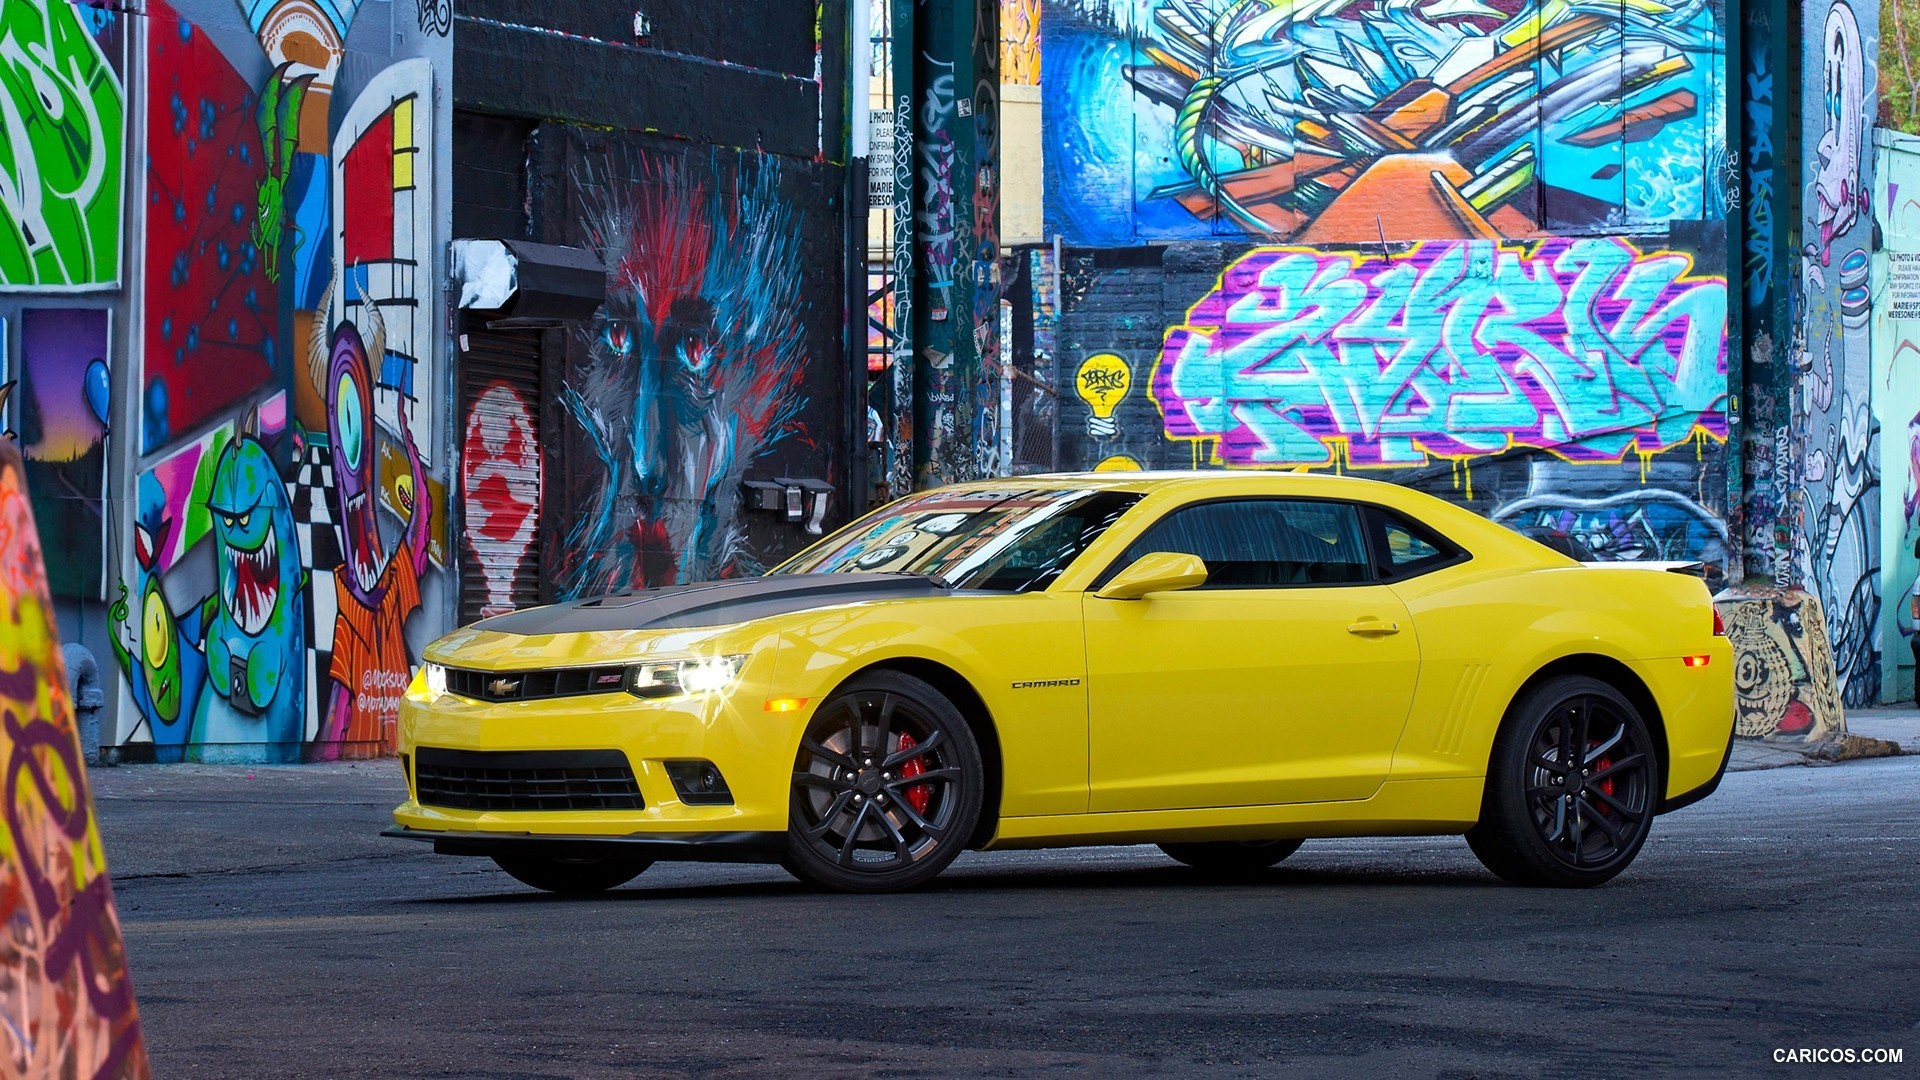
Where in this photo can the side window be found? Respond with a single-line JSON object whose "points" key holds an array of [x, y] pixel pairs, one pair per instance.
{"points": [[1263, 543], [1404, 549]]}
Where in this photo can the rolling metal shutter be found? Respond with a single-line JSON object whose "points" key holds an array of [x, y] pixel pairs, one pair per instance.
{"points": [[501, 479]]}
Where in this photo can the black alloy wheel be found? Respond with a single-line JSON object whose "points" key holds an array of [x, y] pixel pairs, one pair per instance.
{"points": [[1572, 787], [1229, 858], [576, 875], [887, 787]]}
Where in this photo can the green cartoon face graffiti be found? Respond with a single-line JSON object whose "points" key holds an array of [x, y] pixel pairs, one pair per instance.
{"points": [[279, 118]]}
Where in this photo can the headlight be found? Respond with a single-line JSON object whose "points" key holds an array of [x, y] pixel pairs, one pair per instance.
{"points": [[670, 678], [428, 684]]}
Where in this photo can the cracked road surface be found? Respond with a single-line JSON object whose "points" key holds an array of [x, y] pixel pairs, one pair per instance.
{"points": [[271, 932]]}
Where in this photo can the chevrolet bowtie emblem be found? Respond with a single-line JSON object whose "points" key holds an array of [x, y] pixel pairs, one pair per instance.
{"points": [[504, 687]]}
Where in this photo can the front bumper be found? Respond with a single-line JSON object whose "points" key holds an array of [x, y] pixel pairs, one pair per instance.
{"points": [[752, 748], [691, 847]]}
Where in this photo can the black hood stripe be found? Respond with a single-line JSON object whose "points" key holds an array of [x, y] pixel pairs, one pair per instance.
{"points": [[713, 603]]}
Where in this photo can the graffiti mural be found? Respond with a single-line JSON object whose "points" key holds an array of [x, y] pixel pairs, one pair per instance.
{"points": [[211, 312], [66, 1000], [692, 369], [1020, 42], [1783, 674], [1588, 348], [62, 425], [501, 478], [376, 587], [62, 165], [1356, 121], [1836, 509], [1896, 406], [384, 226]]}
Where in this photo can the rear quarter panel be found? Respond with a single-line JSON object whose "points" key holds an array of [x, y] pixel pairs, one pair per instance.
{"points": [[1485, 631]]}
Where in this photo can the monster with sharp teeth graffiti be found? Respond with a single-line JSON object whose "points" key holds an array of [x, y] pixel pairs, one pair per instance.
{"points": [[377, 589], [256, 639]]}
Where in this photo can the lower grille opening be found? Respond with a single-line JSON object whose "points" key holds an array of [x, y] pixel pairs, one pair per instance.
{"points": [[525, 780]]}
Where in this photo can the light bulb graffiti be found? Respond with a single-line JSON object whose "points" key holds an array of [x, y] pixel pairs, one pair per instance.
{"points": [[1103, 382]]}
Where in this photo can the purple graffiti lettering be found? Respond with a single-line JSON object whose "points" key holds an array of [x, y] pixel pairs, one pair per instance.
{"points": [[1587, 348]]}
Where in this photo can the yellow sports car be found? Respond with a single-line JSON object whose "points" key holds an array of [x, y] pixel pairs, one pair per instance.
{"points": [[1224, 664]]}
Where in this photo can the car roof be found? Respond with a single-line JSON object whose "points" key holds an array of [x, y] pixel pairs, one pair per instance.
{"points": [[1295, 483]]}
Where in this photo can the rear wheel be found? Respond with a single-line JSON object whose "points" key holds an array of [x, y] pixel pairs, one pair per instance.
{"points": [[887, 787], [1571, 788], [581, 875], [1232, 856]]}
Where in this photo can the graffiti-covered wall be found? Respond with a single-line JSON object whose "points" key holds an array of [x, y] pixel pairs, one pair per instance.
{"points": [[1835, 505], [1477, 248], [224, 318]]}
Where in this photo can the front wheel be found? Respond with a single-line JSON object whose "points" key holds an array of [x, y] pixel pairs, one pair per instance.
{"points": [[582, 875], [887, 787], [1571, 789], [1232, 857]]}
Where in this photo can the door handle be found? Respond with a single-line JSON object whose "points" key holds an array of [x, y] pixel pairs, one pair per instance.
{"points": [[1370, 627]]}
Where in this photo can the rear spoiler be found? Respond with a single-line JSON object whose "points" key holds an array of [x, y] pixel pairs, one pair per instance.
{"points": [[1692, 569]]}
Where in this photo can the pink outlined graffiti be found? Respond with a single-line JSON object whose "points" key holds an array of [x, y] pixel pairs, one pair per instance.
{"points": [[501, 479], [1586, 348]]}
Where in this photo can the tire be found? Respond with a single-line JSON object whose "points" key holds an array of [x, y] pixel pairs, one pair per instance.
{"points": [[1542, 825], [584, 875], [887, 787], [1232, 857]]}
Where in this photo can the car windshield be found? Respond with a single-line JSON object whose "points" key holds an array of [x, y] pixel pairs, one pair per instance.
{"points": [[1005, 539]]}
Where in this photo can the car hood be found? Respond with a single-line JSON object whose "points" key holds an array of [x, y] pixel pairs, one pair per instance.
{"points": [[714, 603]]}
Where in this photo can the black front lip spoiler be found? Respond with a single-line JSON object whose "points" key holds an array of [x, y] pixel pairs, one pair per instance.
{"points": [[1688, 798], [733, 847]]}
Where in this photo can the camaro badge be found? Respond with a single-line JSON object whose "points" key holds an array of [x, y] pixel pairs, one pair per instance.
{"points": [[1042, 684], [504, 687]]}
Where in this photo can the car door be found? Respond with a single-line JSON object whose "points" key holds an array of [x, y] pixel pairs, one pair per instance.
{"points": [[1285, 678]]}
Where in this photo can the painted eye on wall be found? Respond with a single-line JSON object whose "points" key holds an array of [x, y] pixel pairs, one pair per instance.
{"points": [[245, 518], [617, 337], [352, 423], [155, 641]]}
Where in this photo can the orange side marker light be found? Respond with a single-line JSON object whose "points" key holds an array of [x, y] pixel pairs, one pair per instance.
{"points": [[785, 704]]}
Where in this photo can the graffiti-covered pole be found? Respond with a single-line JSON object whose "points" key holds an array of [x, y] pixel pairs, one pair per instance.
{"points": [[953, 329], [900, 427]]}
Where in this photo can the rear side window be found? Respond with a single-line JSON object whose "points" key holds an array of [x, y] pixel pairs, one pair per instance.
{"points": [[1404, 549], [1262, 543]]}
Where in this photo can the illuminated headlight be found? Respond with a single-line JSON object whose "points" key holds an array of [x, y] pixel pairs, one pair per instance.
{"points": [[669, 678], [428, 684]]}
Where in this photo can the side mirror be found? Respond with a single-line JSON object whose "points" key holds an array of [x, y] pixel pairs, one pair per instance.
{"points": [[1156, 571]]}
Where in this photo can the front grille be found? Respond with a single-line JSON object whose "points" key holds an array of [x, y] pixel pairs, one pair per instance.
{"points": [[525, 780], [535, 685]]}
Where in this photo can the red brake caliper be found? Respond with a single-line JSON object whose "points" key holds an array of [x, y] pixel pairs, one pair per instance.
{"points": [[1606, 785], [919, 794]]}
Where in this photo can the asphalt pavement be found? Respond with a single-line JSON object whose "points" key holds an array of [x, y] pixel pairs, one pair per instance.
{"points": [[272, 933]]}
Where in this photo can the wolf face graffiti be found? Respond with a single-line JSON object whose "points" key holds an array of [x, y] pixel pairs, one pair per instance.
{"points": [[256, 640], [377, 589]]}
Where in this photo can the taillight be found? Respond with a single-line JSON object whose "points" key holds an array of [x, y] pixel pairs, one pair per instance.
{"points": [[1719, 624]]}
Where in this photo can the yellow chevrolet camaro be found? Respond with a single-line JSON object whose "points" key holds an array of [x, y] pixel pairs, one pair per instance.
{"points": [[1224, 664]]}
